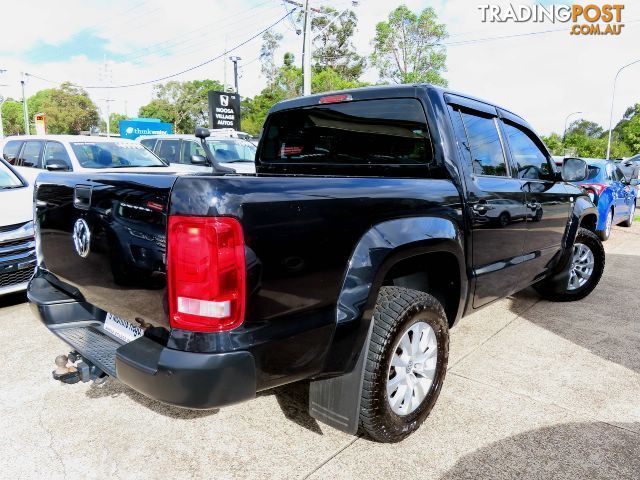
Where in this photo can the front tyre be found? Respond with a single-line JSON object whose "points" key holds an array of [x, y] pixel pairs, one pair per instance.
{"points": [[406, 363], [585, 270]]}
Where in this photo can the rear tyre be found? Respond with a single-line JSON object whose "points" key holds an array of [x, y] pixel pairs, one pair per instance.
{"points": [[606, 233], [585, 270], [629, 221], [406, 363]]}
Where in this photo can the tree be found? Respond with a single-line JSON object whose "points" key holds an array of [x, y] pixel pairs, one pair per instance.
{"points": [[12, 119], [332, 43], [627, 131], [114, 123], [68, 109], [185, 104], [270, 43], [407, 47], [554, 144]]}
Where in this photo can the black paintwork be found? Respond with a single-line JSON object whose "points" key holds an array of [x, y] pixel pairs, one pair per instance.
{"points": [[318, 247]]}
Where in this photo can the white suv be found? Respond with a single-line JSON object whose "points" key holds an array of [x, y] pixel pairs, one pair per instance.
{"points": [[228, 149], [77, 153]]}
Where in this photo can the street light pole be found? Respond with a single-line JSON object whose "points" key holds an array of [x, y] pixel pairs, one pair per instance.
{"points": [[24, 105], [235, 61], [613, 96], [564, 134]]}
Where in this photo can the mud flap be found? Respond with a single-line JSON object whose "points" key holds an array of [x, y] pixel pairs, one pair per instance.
{"points": [[336, 401]]}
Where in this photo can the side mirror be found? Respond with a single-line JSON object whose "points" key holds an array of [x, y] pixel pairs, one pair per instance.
{"points": [[202, 132], [574, 170], [56, 165], [198, 160]]}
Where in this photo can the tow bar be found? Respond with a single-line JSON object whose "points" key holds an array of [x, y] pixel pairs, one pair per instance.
{"points": [[82, 371]]}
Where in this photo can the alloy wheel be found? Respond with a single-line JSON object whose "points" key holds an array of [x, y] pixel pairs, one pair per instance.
{"points": [[582, 264], [609, 223], [412, 368]]}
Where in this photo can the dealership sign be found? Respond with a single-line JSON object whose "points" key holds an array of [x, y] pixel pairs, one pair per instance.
{"points": [[224, 110], [144, 126]]}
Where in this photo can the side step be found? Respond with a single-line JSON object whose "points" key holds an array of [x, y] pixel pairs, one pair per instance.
{"points": [[92, 344]]}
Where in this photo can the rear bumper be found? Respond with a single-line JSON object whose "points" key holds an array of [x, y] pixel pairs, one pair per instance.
{"points": [[183, 379]]}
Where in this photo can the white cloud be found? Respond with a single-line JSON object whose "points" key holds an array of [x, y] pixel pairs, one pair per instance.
{"points": [[542, 77]]}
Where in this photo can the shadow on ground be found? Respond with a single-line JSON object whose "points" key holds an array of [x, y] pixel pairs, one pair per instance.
{"points": [[293, 400], [567, 451], [12, 299], [605, 323]]}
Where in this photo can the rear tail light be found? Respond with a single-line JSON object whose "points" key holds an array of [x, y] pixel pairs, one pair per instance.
{"points": [[206, 273], [594, 190]]}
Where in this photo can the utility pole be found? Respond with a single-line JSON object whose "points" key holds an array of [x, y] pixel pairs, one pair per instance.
{"points": [[24, 105], [235, 61], [107, 77], [613, 96], [306, 51], [2, 71]]}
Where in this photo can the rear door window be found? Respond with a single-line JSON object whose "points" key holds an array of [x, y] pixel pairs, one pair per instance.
{"points": [[11, 150], [487, 155], [362, 133], [168, 150], [31, 154]]}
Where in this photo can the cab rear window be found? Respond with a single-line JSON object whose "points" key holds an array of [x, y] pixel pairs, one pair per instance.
{"points": [[361, 133]]}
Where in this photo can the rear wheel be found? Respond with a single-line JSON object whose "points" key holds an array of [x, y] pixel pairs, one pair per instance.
{"points": [[606, 233], [406, 363], [585, 270], [629, 221]]}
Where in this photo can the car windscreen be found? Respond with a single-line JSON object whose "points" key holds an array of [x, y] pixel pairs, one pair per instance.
{"points": [[114, 155], [359, 133], [8, 179], [232, 150]]}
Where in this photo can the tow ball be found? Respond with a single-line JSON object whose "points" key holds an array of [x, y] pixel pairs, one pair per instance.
{"points": [[72, 368]]}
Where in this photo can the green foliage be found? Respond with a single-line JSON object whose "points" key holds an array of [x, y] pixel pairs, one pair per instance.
{"points": [[12, 119], [68, 109], [588, 139], [406, 47], [554, 144], [332, 45], [627, 131], [114, 123], [185, 104], [270, 43]]}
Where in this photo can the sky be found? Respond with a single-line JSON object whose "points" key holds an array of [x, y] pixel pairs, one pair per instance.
{"points": [[537, 70]]}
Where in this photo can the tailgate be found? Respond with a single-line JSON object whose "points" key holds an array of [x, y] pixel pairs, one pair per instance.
{"points": [[106, 236]]}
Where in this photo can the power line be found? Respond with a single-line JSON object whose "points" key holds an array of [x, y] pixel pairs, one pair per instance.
{"points": [[182, 38], [194, 67]]}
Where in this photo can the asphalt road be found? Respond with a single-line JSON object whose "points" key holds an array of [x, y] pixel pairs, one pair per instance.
{"points": [[534, 390]]}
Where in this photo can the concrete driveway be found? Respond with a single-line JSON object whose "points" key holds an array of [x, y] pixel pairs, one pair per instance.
{"points": [[534, 390]]}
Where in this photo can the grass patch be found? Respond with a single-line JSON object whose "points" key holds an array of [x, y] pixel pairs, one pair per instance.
{"points": [[637, 218]]}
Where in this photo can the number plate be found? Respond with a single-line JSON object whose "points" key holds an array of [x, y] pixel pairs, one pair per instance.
{"points": [[122, 329]]}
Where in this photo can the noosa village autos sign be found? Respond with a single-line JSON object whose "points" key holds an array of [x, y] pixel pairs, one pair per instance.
{"points": [[224, 110]]}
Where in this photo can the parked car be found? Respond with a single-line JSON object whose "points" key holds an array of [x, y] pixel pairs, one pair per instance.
{"points": [[17, 241], [228, 148], [344, 261], [612, 192], [630, 167], [76, 153]]}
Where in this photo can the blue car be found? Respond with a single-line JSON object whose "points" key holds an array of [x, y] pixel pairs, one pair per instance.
{"points": [[612, 192]]}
